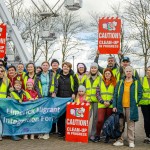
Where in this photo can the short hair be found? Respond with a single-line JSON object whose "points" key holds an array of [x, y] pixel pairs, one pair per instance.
{"points": [[18, 82], [12, 67], [45, 62], [111, 57], [68, 64], [130, 68]]}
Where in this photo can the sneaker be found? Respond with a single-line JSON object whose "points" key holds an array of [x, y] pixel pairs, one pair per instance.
{"points": [[45, 136], [25, 137], [131, 145], [146, 140], [118, 143], [40, 136], [15, 138], [32, 137]]}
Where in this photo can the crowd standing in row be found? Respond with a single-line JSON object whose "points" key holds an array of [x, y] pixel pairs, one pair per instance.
{"points": [[108, 90]]}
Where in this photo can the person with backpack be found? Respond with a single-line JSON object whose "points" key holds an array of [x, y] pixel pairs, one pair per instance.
{"points": [[127, 95], [145, 104], [104, 93]]}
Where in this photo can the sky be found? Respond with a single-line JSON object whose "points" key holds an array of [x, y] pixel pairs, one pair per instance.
{"points": [[98, 6]]}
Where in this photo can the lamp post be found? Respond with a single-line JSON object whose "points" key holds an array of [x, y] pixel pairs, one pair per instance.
{"points": [[73, 62]]}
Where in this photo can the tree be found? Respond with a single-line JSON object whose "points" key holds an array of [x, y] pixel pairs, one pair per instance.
{"points": [[69, 28], [137, 13]]}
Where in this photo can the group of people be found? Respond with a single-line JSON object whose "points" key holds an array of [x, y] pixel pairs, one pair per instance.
{"points": [[111, 89]]}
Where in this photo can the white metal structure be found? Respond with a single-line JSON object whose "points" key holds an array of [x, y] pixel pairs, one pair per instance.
{"points": [[73, 4], [14, 33]]}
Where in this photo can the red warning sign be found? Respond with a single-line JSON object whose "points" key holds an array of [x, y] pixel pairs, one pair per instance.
{"points": [[2, 40], [109, 35], [77, 122]]}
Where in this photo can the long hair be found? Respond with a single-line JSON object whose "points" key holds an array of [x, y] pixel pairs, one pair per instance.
{"points": [[5, 79], [112, 79]]}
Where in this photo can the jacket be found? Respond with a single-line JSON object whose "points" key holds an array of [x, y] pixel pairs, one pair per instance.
{"points": [[118, 97], [65, 87]]}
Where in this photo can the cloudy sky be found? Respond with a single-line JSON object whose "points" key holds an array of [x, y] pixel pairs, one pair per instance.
{"points": [[99, 6]]}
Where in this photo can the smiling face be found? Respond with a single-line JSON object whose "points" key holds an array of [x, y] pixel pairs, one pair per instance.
{"points": [[125, 64], [20, 68], [65, 69], [55, 66], [93, 70], [2, 72], [148, 72], [29, 86], [45, 67], [11, 72], [30, 68], [128, 72], [107, 75], [17, 87]]}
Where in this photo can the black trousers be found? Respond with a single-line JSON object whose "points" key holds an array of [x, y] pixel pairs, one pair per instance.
{"points": [[62, 124], [146, 114]]}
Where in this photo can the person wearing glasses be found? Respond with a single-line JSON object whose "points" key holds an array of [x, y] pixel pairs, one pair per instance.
{"points": [[4, 90]]}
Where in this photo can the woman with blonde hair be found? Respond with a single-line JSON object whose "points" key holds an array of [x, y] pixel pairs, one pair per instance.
{"points": [[127, 95], [4, 87]]}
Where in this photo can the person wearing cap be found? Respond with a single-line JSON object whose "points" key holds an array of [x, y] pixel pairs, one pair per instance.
{"points": [[81, 74], [111, 63], [66, 88], [128, 93], [92, 81], [145, 104], [104, 94], [121, 73]]}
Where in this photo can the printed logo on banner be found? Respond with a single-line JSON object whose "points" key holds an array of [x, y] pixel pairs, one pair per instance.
{"points": [[2, 40], [109, 35], [77, 122]]}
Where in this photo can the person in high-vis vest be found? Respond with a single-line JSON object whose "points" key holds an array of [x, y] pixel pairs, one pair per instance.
{"points": [[127, 95], [66, 88], [111, 63], [124, 63], [81, 74], [18, 95], [46, 85], [81, 95], [4, 88], [92, 81], [104, 93], [20, 70], [145, 104], [30, 67], [55, 71]]}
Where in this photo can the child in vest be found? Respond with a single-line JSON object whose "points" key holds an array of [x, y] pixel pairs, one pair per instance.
{"points": [[34, 96], [18, 95], [81, 96]]}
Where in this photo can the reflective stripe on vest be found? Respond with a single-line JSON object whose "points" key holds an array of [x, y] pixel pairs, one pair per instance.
{"points": [[91, 89], [3, 89], [136, 89], [145, 100], [16, 96], [106, 94], [71, 80], [52, 88], [80, 82]]}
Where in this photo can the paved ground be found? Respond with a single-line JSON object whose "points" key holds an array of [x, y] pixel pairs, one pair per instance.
{"points": [[55, 143]]}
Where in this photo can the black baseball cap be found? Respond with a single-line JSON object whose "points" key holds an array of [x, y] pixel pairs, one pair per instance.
{"points": [[126, 59]]}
